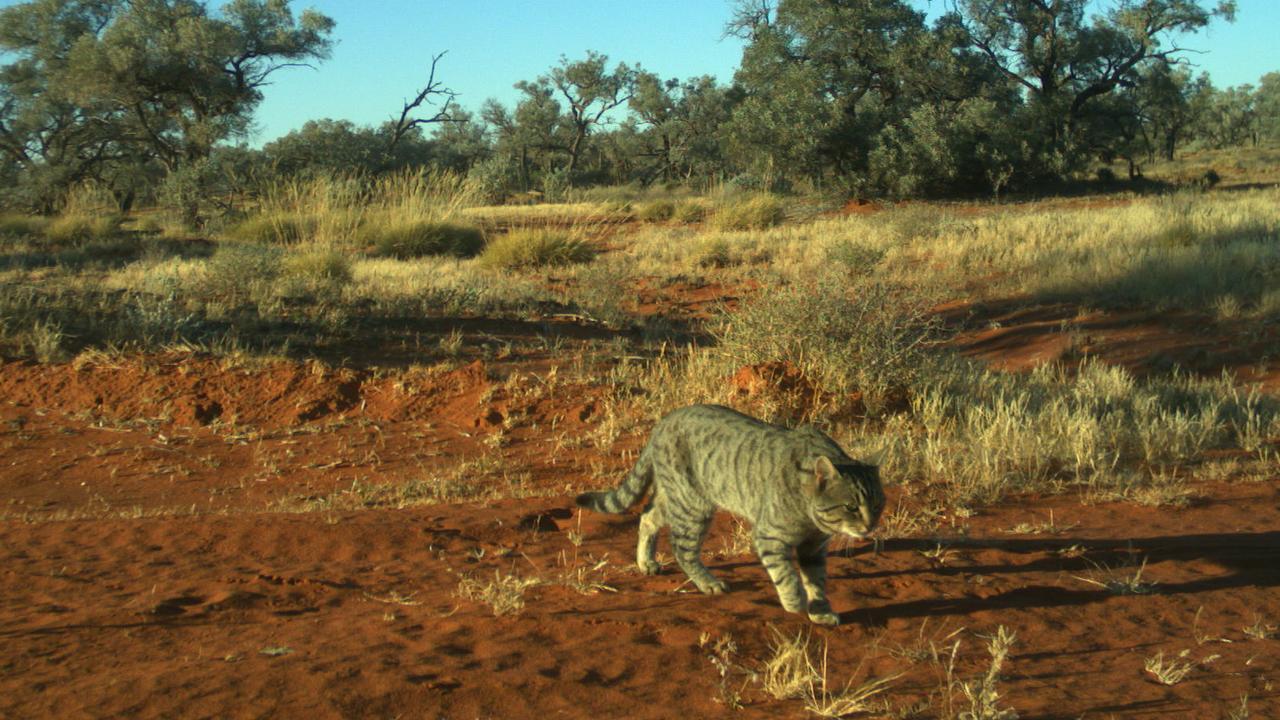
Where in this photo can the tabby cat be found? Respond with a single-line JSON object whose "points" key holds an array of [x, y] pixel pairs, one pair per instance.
{"points": [[796, 487]]}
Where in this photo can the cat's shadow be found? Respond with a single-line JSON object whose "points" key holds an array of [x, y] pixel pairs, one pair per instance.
{"points": [[1247, 560]]}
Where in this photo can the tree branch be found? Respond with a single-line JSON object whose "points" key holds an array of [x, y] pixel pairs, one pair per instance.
{"points": [[406, 123]]}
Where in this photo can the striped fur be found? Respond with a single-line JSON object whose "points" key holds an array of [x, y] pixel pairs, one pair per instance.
{"points": [[796, 487]]}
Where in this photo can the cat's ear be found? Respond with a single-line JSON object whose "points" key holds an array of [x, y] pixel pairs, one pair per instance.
{"points": [[823, 473]]}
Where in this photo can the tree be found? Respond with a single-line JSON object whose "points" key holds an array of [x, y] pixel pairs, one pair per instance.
{"points": [[1064, 63], [460, 144], [1166, 99], [164, 78], [1267, 103], [1230, 117], [678, 124], [528, 136], [50, 142], [589, 91], [407, 122], [823, 80]]}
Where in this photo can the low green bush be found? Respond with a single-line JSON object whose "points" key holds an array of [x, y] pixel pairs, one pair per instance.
{"points": [[239, 271], [22, 225], [323, 271]]}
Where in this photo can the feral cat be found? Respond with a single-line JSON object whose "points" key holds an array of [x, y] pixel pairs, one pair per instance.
{"points": [[796, 487]]}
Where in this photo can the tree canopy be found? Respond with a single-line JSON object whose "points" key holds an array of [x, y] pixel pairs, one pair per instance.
{"points": [[102, 82]]}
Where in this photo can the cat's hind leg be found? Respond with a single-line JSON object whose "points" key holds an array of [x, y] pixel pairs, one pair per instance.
{"points": [[687, 533], [651, 522]]}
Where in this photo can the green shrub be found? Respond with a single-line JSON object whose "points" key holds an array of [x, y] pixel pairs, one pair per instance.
{"points": [[79, 229], [276, 228], [689, 211], [656, 211], [753, 213], [241, 271], [416, 238], [536, 247], [847, 334]]}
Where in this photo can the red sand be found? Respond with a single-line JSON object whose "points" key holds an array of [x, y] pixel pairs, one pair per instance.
{"points": [[144, 576]]}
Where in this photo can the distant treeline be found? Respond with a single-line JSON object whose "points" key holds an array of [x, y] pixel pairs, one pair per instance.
{"points": [[149, 97]]}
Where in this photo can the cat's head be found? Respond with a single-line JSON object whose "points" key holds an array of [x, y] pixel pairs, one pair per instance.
{"points": [[844, 498]]}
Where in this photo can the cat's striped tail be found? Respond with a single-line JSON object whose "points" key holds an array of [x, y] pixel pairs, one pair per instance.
{"points": [[625, 495]]}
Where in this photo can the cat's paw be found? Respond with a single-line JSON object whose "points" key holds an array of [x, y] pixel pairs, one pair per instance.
{"points": [[649, 567], [714, 586], [824, 617]]}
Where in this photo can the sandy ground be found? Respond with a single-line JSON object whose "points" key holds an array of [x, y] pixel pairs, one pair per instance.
{"points": [[187, 537]]}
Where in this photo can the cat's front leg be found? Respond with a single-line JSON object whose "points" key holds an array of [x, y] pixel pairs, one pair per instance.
{"points": [[775, 555], [812, 558]]}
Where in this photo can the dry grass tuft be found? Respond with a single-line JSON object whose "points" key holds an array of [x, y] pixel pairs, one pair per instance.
{"points": [[504, 594], [535, 247], [756, 212], [1171, 671], [790, 673]]}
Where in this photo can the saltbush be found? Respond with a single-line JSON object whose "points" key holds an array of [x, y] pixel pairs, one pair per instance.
{"points": [[318, 270], [239, 271]]}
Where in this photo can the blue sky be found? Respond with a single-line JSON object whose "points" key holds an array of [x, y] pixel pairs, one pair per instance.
{"points": [[384, 47]]}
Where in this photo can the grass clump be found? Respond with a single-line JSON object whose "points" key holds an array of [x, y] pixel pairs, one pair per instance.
{"points": [[80, 229], [536, 247], [275, 228], [504, 594], [415, 238], [22, 225], [316, 270], [983, 693], [756, 212], [790, 672], [656, 211], [688, 211]]}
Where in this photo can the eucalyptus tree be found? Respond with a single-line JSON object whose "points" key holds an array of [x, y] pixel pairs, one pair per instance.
{"points": [[589, 91], [95, 81], [678, 125], [1064, 61]]}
